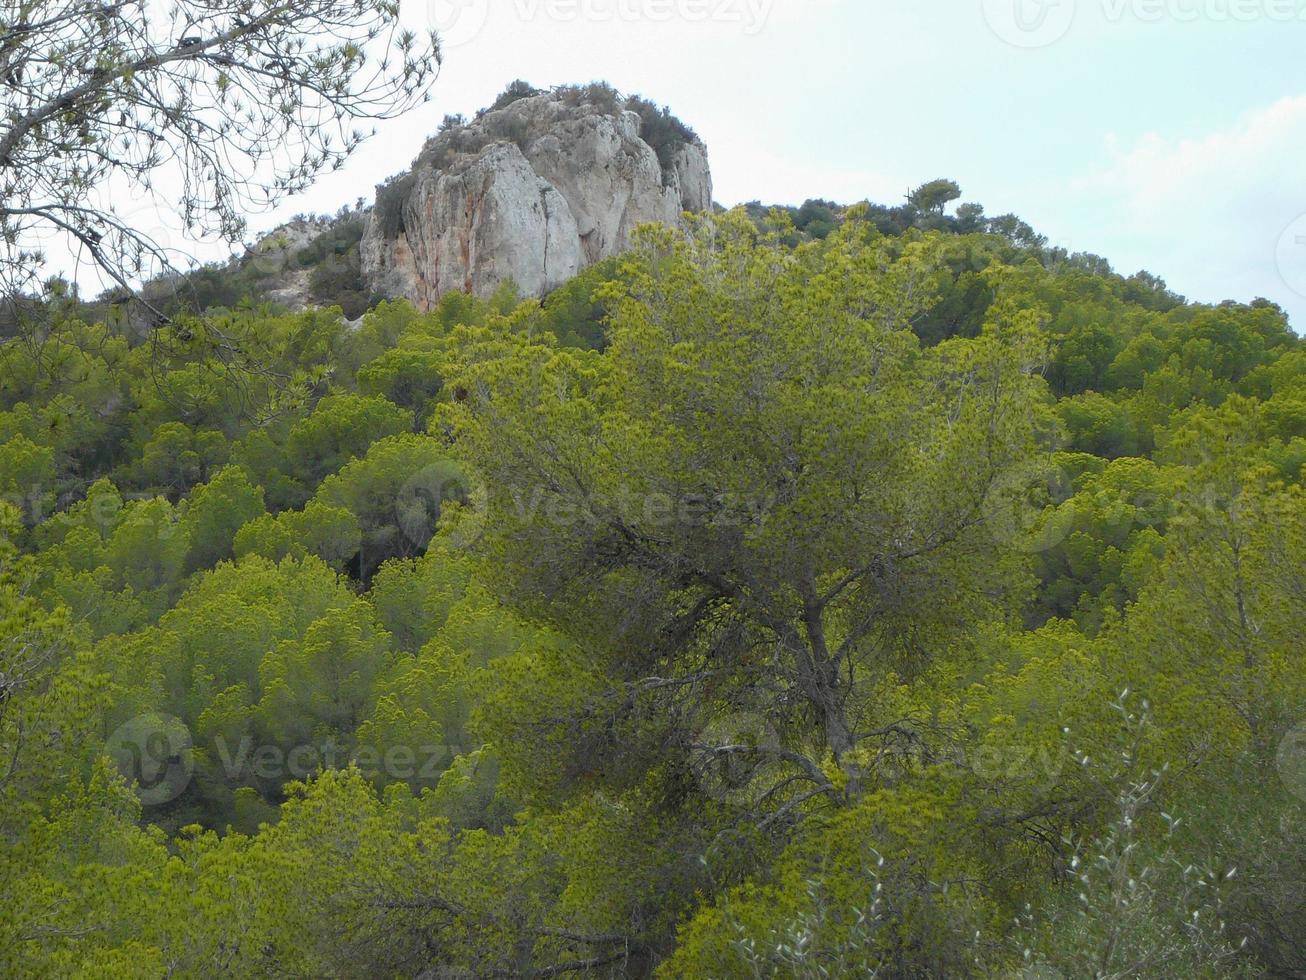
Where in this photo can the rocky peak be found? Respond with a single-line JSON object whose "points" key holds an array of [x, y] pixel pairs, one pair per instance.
{"points": [[533, 191]]}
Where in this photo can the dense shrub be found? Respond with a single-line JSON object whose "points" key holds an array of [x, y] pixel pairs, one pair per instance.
{"points": [[661, 130], [390, 199], [515, 92]]}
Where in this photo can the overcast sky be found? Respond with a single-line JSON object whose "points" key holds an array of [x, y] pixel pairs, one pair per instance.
{"points": [[1163, 134]]}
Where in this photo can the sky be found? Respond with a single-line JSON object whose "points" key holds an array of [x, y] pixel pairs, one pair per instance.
{"points": [[1167, 135]]}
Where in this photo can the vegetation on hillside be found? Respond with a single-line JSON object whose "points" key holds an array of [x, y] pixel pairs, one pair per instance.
{"points": [[872, 592], [659, 128]]}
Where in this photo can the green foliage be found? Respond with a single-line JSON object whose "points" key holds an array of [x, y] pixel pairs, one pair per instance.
{"points": [[576, 312], [396, 493], [934, 196], [216, 511], [388, 211], [515, 92], [337, 277], [406, 377], [758, 604], [661, 130], [1131, 907], [757, 451], [331, 533], [341, 429], [176, 458]]}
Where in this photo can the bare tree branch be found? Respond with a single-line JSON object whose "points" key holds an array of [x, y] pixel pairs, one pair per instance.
{"points": [[212, 109]]}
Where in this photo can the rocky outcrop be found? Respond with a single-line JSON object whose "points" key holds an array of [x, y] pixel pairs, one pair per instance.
{"points": [[533, 193]]}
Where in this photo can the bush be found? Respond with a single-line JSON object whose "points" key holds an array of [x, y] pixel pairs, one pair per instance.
{"points": [[661, 130], [598, 94], [515, 92], [337, 241], [390, 199]]}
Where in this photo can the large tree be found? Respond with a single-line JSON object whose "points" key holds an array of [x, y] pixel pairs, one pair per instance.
{"points": [[764, 502], [215, 108]]}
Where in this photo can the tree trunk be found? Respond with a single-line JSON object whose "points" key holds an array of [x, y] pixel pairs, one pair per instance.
{"points": [[819, 681]]}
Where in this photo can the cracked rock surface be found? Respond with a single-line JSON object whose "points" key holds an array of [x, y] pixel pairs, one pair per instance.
{"points": [[531, 193]]}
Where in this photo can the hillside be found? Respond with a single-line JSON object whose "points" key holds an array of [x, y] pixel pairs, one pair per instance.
{"points": [[881, 591], [530, 192]]}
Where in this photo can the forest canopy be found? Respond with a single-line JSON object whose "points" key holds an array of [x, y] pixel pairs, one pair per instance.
{"points": [[853, 592]]}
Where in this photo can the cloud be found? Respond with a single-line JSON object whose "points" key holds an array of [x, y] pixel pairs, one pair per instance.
{"points": [[1209, 212]]}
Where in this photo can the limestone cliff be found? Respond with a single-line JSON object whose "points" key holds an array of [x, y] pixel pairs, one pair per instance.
{"points": [[533, 192]]}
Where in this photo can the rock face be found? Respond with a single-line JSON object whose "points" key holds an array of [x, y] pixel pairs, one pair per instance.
{"points": [[287, 285], [533, 193]]}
